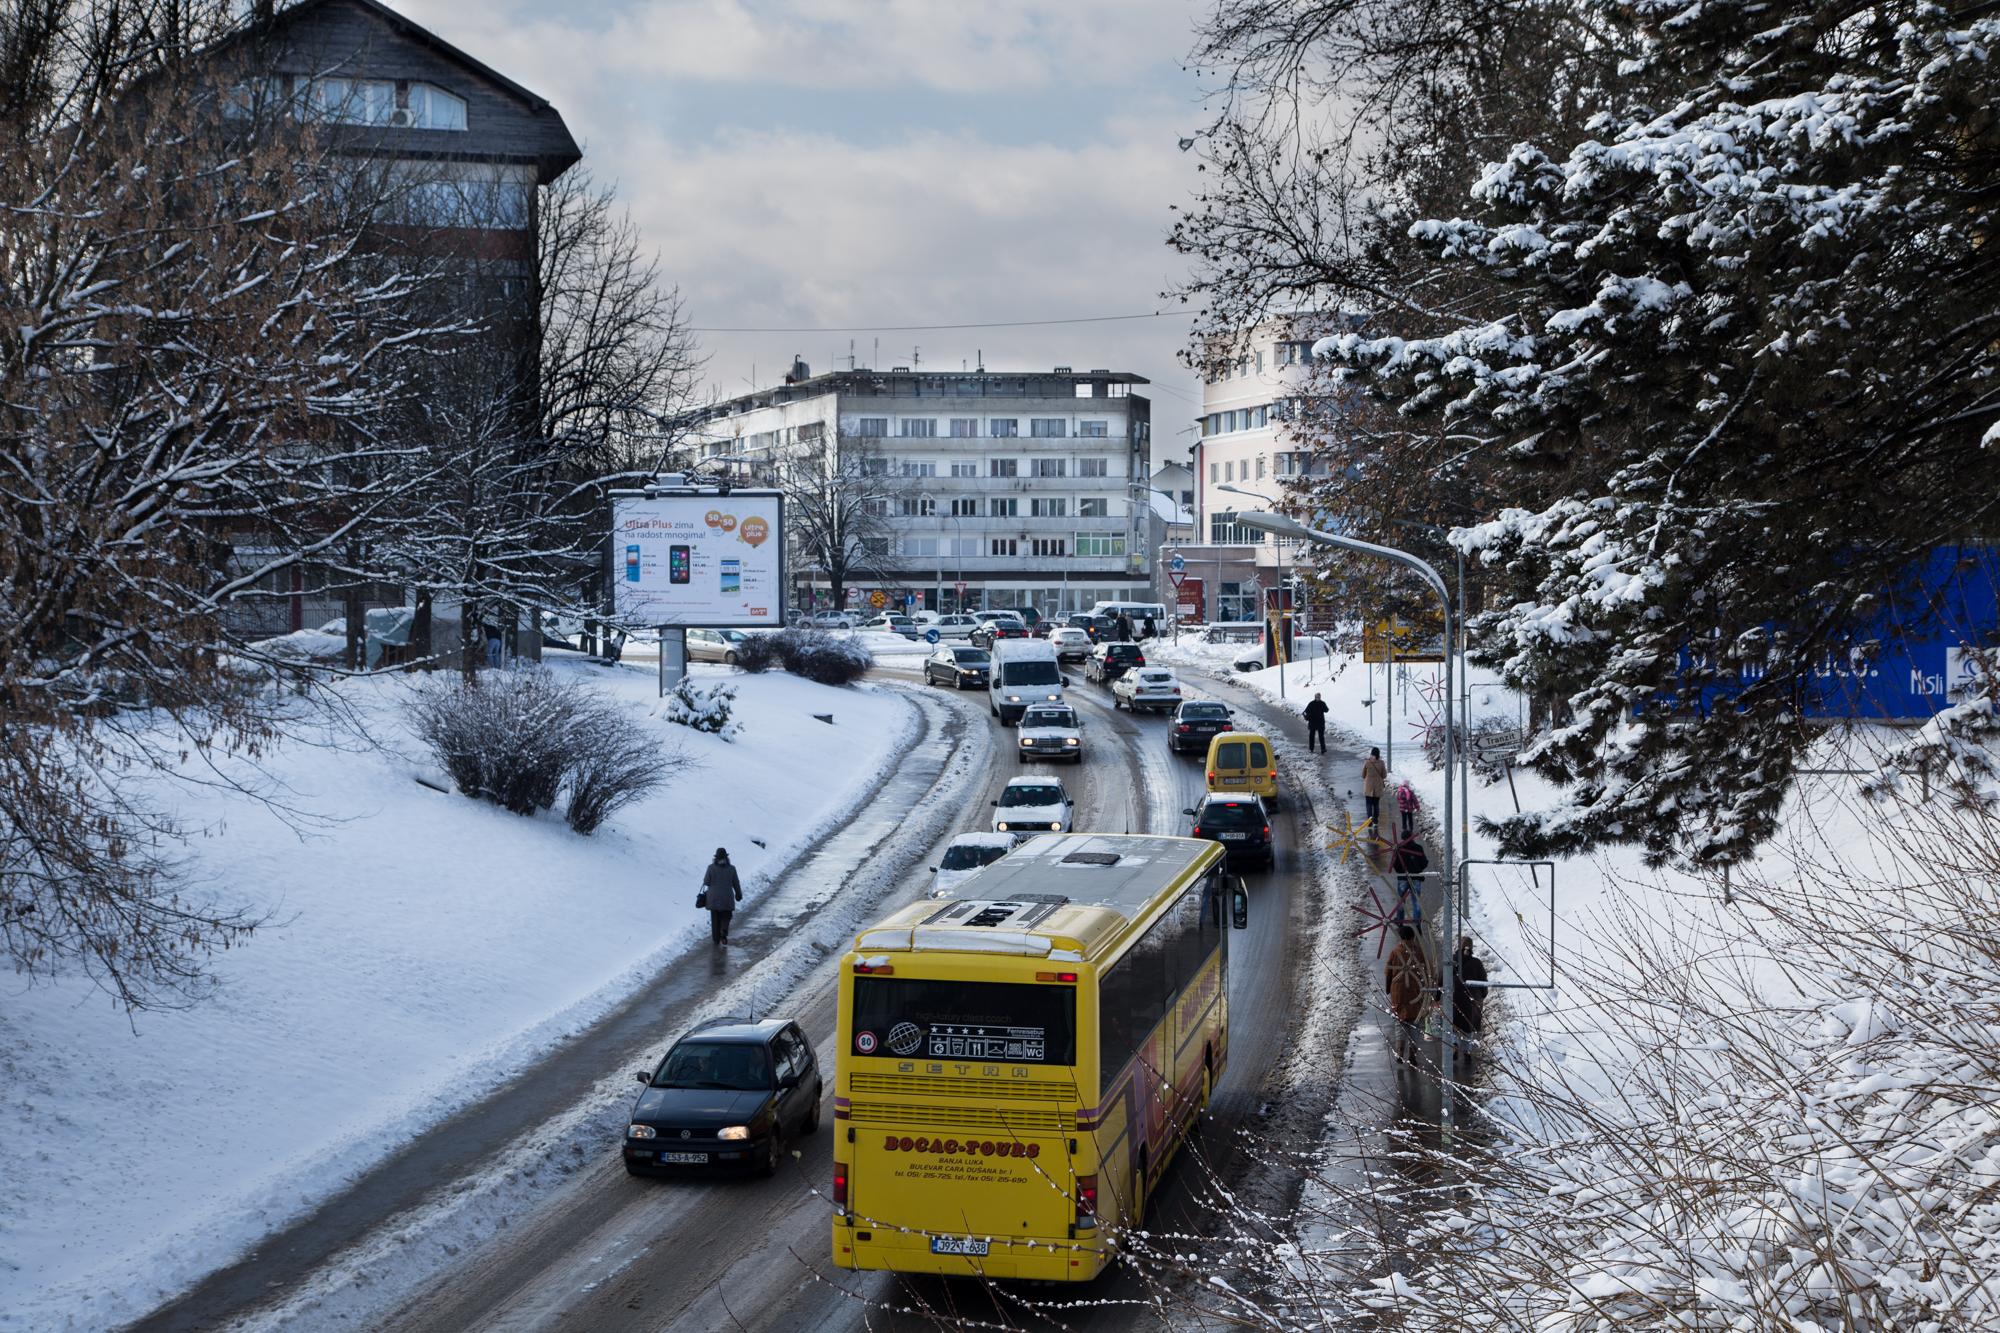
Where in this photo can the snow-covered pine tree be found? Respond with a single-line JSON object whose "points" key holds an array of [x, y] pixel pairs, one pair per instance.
{"points": [[1759, 323]]}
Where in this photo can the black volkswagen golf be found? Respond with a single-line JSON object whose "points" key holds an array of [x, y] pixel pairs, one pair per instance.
{"points": [[727, 1095]]}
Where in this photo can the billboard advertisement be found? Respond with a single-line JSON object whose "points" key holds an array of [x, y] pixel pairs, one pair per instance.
{"points": [[702, 560]]}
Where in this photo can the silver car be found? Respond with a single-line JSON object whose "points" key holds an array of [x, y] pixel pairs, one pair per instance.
{"points": [[714, 645]]}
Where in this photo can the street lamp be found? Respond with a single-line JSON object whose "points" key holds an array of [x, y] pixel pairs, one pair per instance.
{"points": [[1281, 526]]}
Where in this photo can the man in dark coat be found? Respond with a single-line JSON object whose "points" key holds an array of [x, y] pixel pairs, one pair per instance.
{"points": [[1316, 723], [1407, 977], [723, 891], [1408, 863], [1468, 990]]}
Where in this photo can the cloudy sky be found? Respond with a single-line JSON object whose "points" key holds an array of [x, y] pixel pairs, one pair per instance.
{"points": [[812, 164]]}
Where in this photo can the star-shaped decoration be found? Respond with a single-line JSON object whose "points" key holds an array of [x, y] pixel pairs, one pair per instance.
{"points": [[1350, 837], [1432, 688], [1428, 727], [1376, 917]]}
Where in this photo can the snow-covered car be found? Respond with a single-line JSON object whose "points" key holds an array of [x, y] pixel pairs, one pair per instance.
{"points": [[1033, 805], [964, 857], [1147, 688], [1303, 647], [1050, 731], [893, 624], [957, 625], [1071, 644]]}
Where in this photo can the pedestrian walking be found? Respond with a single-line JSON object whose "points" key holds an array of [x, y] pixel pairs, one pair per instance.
{"points": [[1125, 628], [1407, 978], [1468, 989], [1150, 629], [1316, 723], [1408, 863], [1374, 775], [720, 892], [1406, 805]]}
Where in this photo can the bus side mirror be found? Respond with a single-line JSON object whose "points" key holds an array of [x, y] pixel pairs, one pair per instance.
{"points": [[1239, 904]]}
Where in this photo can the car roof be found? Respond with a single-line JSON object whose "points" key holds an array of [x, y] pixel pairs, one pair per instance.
{"points": [[1034, 782], [737, 1029]]}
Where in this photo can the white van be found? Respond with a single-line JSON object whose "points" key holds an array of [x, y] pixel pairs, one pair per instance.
{"points": [[1138, 611], [1025, 672]]}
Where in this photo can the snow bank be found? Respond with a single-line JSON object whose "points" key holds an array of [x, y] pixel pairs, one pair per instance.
{"points": [[422, 947]]}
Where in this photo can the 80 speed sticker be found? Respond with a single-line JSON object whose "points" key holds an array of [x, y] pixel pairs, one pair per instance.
{"points": [[864, 1043]]}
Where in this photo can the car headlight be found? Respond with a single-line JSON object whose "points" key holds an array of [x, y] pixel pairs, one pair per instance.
{"points": [[734, 1132], [1055, 826], [1001, 826], [1071, 740], [643, 1132], [1013, 698], [1027, 740], [1055, 698]]}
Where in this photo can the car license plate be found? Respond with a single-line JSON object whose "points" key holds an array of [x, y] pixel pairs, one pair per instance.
{"points": [[1232, 837], [684, 1158], [1232, 782], [957, 1245]]}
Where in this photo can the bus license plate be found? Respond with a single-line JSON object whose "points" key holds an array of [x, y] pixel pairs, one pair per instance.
{"points": [[684, 1158], [957, 1245]]}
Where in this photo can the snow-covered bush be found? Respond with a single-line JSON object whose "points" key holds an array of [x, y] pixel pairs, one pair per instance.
{"points": [[703, 707], [618, 763], [757, 652], [509, 738], [819, 656]]}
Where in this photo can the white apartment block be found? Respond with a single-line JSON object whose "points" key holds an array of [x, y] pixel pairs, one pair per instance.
{"points": [[1020, 486]]}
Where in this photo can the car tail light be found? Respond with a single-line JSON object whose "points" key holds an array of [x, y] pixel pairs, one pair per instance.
{"points": [[1140, 660], [1211, 775], [1267, 830], [1086, 1198], [1195, 832], [1183, 727], [839, 1185]]}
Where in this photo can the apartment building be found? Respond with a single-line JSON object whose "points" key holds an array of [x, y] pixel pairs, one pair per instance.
{"points": [[1004, 488]]}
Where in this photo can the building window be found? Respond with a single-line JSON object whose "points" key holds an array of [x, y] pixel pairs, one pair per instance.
{"points": [[351, 101], [965, 507], [1093, 467], [1260, 467], [964, 428], [812, 432], [1051, 467], [918, 428], [1003, 507], [1094, 430], [916, 506], [1093, 507], [432, 108], [1048, 546], [919, 467], [1004, 428], [1212, 477], [1048, 428], [1051, 508], [1003, 467], [920, 546], [874, 467], [873, 428], [876, 507], [964, 467], [1001, 546], [1100, 543], [1229, 471], [1260, 361], [1223, 530], [1263, 416]]}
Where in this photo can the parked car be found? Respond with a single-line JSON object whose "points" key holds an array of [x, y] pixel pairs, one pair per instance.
{"points": [[996, 627], [964, 856], [1303, 647], [727, 1095], [1071, 645], [1112, 660], [1233, 631], [829, 620], [1147, 689], [1098, 628], [958, 666], [1033, 805], [1195, 722], [1051, 731], [1027, 615], [894, 624], [1240, 823], [714, 645], [957, 625]]}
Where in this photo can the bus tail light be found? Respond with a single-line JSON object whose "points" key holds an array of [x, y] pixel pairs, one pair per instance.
{"points": [[874, 969], [1086, 1199], [1055, 976], [839, 1185]]}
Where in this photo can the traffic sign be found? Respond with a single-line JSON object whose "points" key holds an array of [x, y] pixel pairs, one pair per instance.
{"points": [[1177, 565], [1177, 578], [959, 588], [930, 636], [909, 599], [878, 599]]}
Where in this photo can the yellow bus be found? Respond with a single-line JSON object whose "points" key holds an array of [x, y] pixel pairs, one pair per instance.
{"points": [[1017, 1064]]}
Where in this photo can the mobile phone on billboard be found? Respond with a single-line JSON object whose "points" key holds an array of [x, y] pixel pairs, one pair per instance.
{"points": [[631, 564], [679, 564], [732, 577]]}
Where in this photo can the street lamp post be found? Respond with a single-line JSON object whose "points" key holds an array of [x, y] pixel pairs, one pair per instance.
{"points": [[1279, 525]]}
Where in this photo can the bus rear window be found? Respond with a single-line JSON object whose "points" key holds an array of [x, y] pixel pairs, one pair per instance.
{"points": [[965, 1020]]}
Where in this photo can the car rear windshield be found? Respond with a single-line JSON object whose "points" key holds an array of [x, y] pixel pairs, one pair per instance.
{"points": [[969, 857], [965, 1020], [1229, 814], [970, 657], [1204, 712], [1030, 673], [1014, 796], [1229, 755], [743, 1066], [1123, 652]]}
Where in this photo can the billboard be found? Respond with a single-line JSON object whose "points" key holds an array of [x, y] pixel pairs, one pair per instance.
{"points": [[702, 560]]}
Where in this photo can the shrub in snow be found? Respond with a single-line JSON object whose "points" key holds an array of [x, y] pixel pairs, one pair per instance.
{"points": [[819, 656], [509, 737], [705, 708], [617, 765], [757, 652]]}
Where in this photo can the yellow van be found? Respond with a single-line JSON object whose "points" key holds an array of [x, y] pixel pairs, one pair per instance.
{"points": [[1241, 761]]}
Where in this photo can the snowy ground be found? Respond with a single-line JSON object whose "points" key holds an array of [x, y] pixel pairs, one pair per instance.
{"points": [[422, 947]]}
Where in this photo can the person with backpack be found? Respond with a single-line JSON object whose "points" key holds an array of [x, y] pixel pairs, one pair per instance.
{"points": [[1406, 805], [1407, 977], [721, 890], [1408, 863]]}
